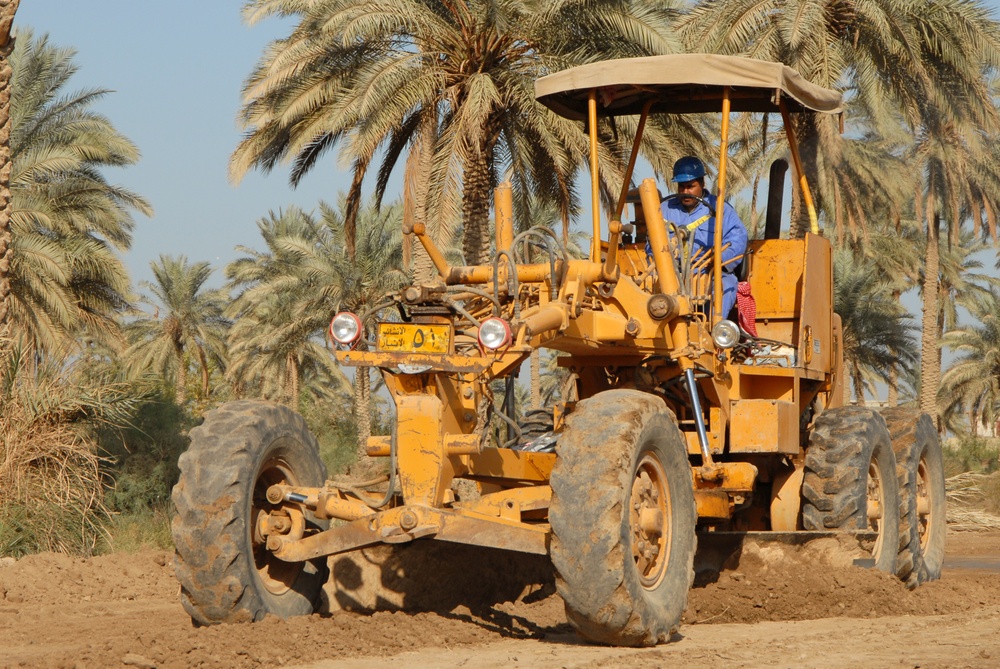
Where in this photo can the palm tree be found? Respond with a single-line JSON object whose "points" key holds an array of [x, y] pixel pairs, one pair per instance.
{"points": [[193, 323], [973, 380], [900, 61], [310, 274], [357, 284], [962, 282], [263, 364], [7, 10], [957, 180], [66, 277], [898, 252], [269, 353], [955, 174], [895, 251], [554, 381], [877, 334], [452, 78]]}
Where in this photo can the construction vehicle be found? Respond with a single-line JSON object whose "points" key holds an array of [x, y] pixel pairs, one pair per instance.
{"points": [[682, 426]]}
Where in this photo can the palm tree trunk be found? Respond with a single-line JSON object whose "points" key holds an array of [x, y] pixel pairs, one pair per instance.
{"points": [[7, 10], [536, 379], [203, 362], [179, 393], [943, 295], [756, 179], [424, 271], [354, 196], [797, 208], [362, 411], [930, 369], [807, 134], [476, 210], [893, 398], [848, 382], [292, 382], [858, 381]]}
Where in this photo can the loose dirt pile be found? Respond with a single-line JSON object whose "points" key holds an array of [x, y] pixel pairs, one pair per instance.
{"points": [[817, 580], [123, 611]]}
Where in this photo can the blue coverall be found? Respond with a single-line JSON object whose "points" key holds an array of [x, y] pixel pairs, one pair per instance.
{"points": [[733, 233]]}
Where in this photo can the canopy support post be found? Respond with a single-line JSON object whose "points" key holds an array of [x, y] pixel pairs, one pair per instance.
{"points": [[720, 211]]}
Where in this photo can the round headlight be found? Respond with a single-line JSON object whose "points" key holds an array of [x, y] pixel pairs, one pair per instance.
{"points": [[494, 333], [726, 334], [345, 328]]}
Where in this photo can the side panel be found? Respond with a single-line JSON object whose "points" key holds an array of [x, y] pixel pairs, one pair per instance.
{"points": [[764, 426], [776, 279], [816, 322]]}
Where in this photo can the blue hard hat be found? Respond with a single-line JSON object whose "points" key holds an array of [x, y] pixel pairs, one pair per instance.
{"points": [[687, 169]]}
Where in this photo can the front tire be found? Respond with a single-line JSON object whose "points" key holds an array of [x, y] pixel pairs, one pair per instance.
{"points": [[226, 572], [920, 468], [850, 480], [623, 519]]}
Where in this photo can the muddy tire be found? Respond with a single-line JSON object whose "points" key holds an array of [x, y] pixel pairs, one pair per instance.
{"points": [[535, 423], [623, 519], [920, 469], [225, 571], [850, 480]]}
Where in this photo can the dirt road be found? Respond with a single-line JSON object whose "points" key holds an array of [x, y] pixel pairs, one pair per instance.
{"points": [[778, 607]]}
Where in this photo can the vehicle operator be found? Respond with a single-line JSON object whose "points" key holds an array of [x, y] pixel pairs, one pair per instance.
{"points": [[694, 217]]}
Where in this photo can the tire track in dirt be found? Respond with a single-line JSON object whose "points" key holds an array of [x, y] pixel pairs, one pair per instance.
{"points": [[774, 607]]}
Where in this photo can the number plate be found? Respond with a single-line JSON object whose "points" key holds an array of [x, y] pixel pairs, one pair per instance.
{"points": [[414, 338]]}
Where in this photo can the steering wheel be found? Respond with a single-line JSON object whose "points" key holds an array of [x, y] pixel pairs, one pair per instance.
{"points": [[700, 200], [683, 232]]}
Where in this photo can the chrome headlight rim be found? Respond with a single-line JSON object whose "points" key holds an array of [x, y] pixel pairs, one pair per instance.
{"points": [[494, 333], [350, 328], [726, 334]]}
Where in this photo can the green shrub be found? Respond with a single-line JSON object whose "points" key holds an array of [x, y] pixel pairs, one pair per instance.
{"points": [[331, 421], [51, 484], [132, 532], [143, 455], [40, 525], [991, 493], [972, 454]]}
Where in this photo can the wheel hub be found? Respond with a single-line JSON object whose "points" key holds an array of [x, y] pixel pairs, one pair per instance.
{"points": [[267, 519], [649, 511], [924, 517], [874, 503]]}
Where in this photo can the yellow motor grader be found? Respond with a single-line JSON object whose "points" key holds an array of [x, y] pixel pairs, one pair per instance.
{"points": [[679, 425]]}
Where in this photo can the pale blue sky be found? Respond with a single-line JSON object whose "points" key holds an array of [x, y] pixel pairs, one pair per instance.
{"points": [[176, 69]]}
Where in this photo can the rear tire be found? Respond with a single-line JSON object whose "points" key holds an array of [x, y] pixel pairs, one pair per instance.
{"points": [[920, 470], [623, 519], [850, 480], [226, 572], [535, 423]]}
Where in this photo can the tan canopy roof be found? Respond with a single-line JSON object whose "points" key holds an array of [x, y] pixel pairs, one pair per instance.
{"points": [[682, 84]]}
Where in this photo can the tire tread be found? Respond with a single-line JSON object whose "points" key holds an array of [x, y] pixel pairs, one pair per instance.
{"points": [[590, 485], [211, 561]]}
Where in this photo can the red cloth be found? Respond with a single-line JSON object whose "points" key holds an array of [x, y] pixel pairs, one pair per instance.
{"points": [[747, 307]]}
